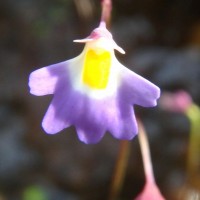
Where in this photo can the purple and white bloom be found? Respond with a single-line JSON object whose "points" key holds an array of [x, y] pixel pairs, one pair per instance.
{"points": [[93, 91]]}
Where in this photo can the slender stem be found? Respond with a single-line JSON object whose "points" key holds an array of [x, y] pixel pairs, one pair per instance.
{"points": [[106, 11], [146, 157], [120, 169]]}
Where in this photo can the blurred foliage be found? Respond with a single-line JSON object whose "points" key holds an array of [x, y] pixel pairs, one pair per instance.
{"points": [[34, 193]]}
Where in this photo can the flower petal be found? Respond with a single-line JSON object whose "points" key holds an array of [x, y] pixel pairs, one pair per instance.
{"points": [[89, 119], [137, 90], [61, 108], [124, 126], [51, 123], [90, 133], [43, 81]]}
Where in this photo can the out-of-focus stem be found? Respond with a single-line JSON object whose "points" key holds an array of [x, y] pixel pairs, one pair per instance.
{"points": [[120, 169], [191, 188], [146, 157], [85, 8], [106, 11], [193, 161]]}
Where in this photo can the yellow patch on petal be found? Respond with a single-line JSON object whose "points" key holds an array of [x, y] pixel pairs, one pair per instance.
{"points": [[96, 69]]}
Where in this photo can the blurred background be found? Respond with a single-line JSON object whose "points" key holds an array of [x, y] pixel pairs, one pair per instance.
{"points": [[162, 43]]}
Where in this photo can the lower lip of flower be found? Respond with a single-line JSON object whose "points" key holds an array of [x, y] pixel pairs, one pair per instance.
{"points": [[96, 70]]}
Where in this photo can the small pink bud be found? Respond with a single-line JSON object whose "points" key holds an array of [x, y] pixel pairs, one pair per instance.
{"points": [[150, 192], [179, 101]]}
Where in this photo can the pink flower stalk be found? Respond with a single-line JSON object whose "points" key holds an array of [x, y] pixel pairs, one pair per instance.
{"points": [[179, 101], [151, 190], [106, 11]]}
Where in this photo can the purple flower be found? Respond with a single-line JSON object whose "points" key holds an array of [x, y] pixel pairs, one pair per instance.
{"points": [[93, 91]]}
